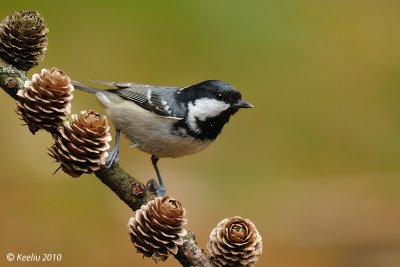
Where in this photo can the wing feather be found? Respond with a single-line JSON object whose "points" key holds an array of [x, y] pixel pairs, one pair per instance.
{"points": [[146, 96], [119, 84]]}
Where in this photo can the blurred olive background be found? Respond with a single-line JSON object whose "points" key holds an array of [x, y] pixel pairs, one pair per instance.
{"points": [[315, 165]]}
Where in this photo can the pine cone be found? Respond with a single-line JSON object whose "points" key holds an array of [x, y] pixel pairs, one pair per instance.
{"points": [[81, 146], [23, 39], [46, 100], [158, 228], [235, 242]]}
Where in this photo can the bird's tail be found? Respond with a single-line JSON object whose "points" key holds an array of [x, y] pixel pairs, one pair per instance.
{"points": [[85, 88]]}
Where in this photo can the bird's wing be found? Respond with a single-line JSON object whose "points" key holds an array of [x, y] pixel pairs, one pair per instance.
{"points": [[151, 98], [118, 84]]}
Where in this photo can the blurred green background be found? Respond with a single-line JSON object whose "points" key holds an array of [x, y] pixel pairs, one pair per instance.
{"points": [[315, 165]]}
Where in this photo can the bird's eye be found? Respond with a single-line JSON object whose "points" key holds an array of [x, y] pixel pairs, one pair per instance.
{"points": [[219, 96]]}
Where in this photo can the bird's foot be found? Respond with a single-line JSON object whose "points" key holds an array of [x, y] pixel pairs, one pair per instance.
{"points": [[112, 159], [159, 189], [113, 156]]}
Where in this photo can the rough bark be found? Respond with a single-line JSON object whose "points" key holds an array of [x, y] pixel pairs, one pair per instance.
{"points": [[11, 79]]}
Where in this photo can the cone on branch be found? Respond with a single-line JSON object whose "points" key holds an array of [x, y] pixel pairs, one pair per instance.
{"points": [[235, 242], [157, 229], [23, 39], [81, 146], [45, 101]]}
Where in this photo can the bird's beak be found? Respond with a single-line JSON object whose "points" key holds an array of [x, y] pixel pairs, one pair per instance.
{"points": [[243, 104]]}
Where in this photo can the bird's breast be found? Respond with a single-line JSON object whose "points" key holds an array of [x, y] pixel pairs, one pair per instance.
{"points": [[152, 133]]}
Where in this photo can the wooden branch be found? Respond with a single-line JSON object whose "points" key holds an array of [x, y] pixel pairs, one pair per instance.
{"points": [[128, 189], [189, 254], [11, 79]]}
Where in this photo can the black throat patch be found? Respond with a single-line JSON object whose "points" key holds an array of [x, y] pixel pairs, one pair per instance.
{"points": [[208, 129]]}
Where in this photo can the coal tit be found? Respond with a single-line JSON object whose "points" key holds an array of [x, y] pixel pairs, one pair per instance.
{"points": [[167, 121]]}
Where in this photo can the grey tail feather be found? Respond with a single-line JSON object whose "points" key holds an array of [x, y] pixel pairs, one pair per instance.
{"points": [[85, 88]]}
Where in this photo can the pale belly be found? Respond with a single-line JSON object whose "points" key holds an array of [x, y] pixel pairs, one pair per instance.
{"points": [[164, 148]]}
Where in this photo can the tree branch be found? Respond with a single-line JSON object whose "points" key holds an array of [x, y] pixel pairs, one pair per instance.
{"points": [[11, 79], [128, 189], [190, 254]]}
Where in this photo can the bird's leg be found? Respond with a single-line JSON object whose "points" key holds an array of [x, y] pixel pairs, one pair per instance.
{"points": [[113, 157], [160, 187]]}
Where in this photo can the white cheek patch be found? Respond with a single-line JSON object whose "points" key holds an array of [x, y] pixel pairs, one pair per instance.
{"points": [[202, 109]]}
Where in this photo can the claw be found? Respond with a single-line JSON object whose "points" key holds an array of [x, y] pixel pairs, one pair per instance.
{"points": [[113, 157], [160, 187], [160, 190]]}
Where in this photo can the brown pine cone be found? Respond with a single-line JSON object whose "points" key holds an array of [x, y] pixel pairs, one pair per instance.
{"points": [[158, 228], [81, 146], [46, 100], [235, 242], [23, 39]]}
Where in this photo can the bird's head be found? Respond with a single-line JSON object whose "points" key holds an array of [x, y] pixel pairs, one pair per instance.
{"points": [[210, 105]]}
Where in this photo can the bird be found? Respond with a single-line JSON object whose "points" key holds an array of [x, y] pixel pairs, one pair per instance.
{"points": [[166, 121]]}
